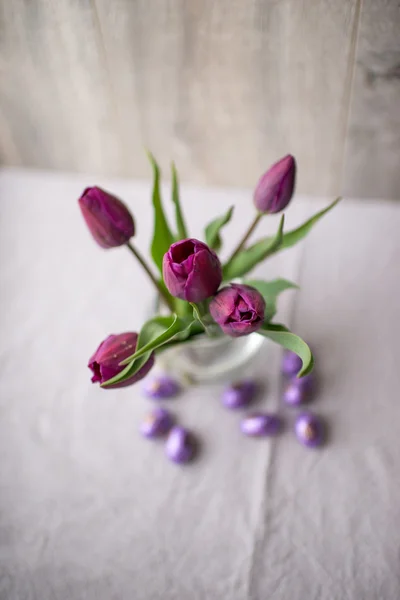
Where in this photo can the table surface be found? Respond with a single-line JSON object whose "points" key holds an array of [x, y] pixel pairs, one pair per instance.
{"points": [[89, 510]]}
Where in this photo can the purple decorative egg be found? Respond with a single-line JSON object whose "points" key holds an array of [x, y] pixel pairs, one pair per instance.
{"points": [[161, 387], [239, 394], [298, 390], [180, 446], [291, 363], [157, 423], [293, 395], [306, 383], [261, 424], [309, 430]]}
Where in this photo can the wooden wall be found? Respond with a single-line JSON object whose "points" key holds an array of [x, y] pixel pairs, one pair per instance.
{"points": [[224, 87]]}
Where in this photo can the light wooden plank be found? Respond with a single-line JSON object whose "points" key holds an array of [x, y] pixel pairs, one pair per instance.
{"points": [[54, 91], [224, 87], [373, 148], [227, 87]]}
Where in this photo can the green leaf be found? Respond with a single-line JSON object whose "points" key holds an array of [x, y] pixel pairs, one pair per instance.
{"points": [[212, 231], [195, 329], [281, 335], [151, 331], [247, 259], [270, 291], [156, 332], [162, 236], [129, 371], [291, 238], [182, 308], [198, 315], [180, 221]]}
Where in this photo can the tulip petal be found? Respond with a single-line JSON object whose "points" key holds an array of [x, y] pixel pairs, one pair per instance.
{"points": [[191, 270], [204, 278], [238, 309], [270, 291], [104, 363], [275, 188], [108, 219]]}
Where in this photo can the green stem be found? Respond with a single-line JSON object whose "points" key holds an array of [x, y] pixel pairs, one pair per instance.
{"points": [[202, 315], [145, 266], [246, 236]]}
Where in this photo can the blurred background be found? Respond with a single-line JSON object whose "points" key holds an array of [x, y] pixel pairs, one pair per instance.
{"points": [[223, 87]]}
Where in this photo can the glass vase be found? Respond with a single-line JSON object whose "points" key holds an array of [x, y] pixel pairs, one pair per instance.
{"points": [[205, 359]]}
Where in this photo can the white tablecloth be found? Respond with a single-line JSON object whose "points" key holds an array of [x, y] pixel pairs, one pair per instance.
{"points": [[91, 511]]}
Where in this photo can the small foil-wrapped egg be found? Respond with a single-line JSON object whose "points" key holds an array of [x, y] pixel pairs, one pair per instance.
{"points": [[157, 423], [160, 387], [261, 424], [291, 363], [180, 446], [239, 394], [309, 430]]}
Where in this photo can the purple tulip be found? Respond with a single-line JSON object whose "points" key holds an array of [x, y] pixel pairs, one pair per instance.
{"points": [[157, 423], [238, 309], [309, 430], [240, 394], [275, 188], [161, 387], [105, 361], [191, 270], [180, 445], [109, 220], [261, 424]]}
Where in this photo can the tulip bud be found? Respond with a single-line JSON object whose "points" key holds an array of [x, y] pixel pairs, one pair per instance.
{"points": [[191, 270], [109, 220], [115, 348], [275, 188], [238, 309]]}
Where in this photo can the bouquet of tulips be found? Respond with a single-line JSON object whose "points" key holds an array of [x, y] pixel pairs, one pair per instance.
{"points": [[200, 294]]}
